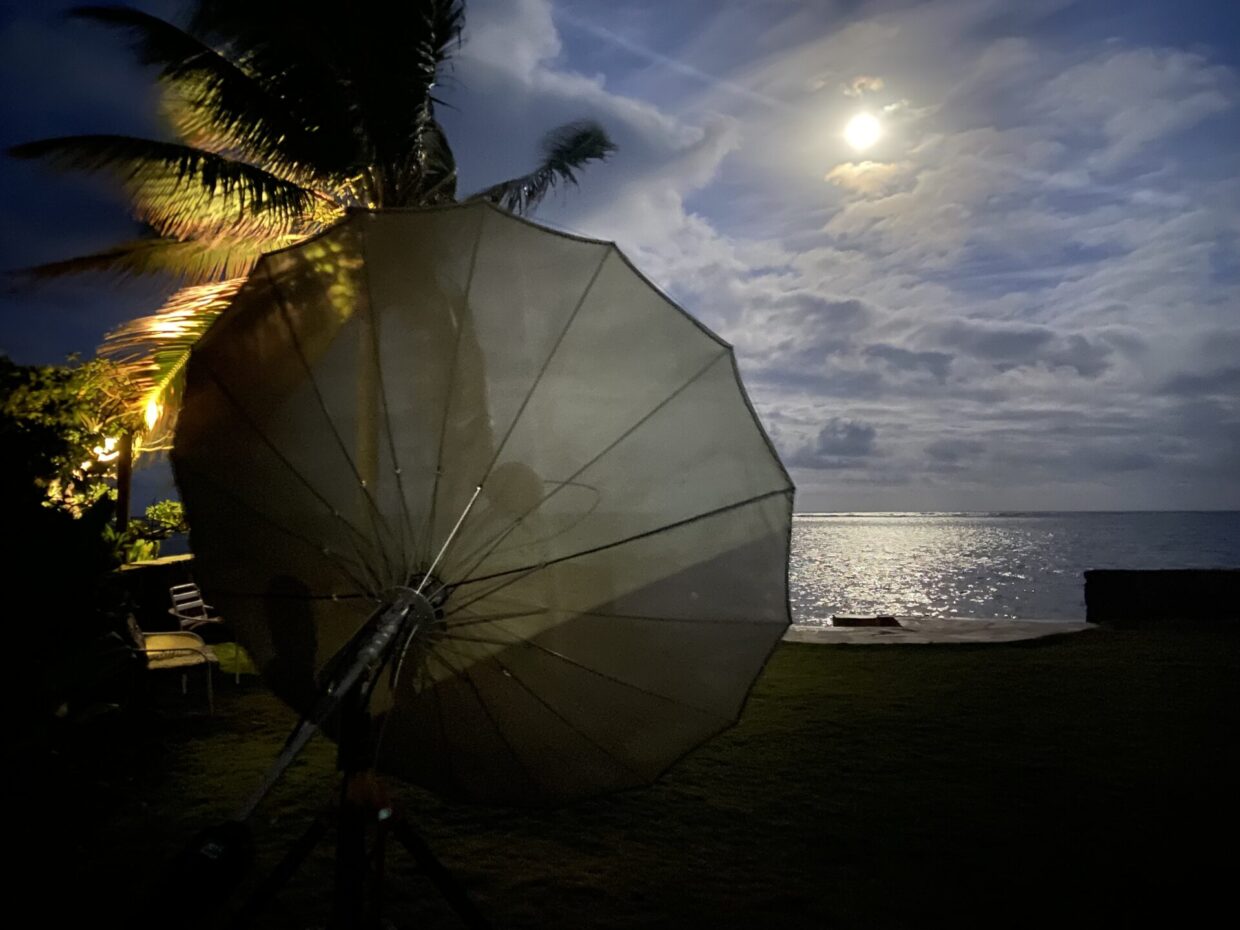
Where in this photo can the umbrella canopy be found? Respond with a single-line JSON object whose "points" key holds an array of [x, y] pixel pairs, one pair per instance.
{"points": [[518, 423]]}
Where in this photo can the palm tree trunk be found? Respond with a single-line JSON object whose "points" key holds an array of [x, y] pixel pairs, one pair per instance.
{"points": [[124, 478]]}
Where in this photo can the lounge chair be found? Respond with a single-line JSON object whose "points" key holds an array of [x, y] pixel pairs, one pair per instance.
{"points": [[180, 650]]}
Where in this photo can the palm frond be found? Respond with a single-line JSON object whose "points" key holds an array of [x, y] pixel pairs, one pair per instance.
{"points": [[194, 111], [382, 61], [189, 262], [426, 176], [391, 77], [219, 105], [152, 351], [182, 191], [565, 150]]}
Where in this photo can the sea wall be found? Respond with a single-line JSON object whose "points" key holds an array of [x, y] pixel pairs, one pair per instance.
{"points": [[1133, 598]]}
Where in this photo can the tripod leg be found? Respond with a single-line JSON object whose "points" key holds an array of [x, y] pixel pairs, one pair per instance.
{"points": [[280, 875], [352, 869], [378, 869], [452, 890]]}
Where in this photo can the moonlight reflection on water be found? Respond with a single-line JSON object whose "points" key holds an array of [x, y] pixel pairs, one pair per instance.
{"points": [[1026, 566]]}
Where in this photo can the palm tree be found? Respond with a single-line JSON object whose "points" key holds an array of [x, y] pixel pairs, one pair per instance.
{"points": [[282, 122]]}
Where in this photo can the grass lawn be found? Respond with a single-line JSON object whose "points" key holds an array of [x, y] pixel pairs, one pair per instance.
{"points": [[1084, 779]]}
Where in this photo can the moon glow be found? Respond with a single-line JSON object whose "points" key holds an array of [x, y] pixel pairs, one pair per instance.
{"points": [[862, 131]]}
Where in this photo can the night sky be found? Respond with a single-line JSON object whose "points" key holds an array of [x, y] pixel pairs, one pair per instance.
{"points": [[1024, 295]]}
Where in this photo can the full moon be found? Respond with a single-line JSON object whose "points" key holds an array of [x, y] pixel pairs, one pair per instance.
{"points": [[862, 131]]}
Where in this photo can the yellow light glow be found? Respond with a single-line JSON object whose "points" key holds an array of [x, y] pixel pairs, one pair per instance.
{"points": [[151, 414], [862, 131], [104, 453]]}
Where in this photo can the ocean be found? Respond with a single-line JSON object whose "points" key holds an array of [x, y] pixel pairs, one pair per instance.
{"points": [[993, 565]]}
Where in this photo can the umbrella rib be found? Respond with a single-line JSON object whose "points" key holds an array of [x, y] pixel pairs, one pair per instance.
{"points": [[443, 729], [456, 353], [473, 686], [531, 644], [515, 615], [610, 753], [373, 510], [545, 365], [419, 670], [527, 570], [512, 750], [407, 556], [285, 462], [342, 562], [495, 542], [400, 661]]}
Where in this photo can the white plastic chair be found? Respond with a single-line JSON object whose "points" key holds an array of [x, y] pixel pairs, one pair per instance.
{"points": [[193, 613], [189, 608]]}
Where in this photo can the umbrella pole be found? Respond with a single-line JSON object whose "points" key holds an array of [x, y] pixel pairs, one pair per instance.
{"points": [[362, 804], [350, 911], [347, 696]]}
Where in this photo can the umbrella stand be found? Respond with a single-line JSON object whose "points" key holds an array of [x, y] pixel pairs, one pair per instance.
{"points": [[348, 694], [224, 851], [360, 808], [363, 660]]}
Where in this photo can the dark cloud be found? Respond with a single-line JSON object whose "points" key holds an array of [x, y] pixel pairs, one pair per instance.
{"points": [[826, 379], [804, 341], [1011, 345], [804, 314], [816, 317], [845, 437], [1075, 351], [1120, 460], [995, 341], [953, 450], [1125, 339], [840, 443], [1223, 382], [937, 363]]}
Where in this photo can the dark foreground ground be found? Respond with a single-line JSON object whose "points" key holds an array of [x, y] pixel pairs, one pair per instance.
{"points": [[1089, 779]]}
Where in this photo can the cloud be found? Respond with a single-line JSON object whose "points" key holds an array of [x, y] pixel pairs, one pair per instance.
{"points": [[840, 443], [845, 438], [936, 363], [862, 84], [871, 178], [518, 35], [1223, 383], [1133, 97], [1009, 344], [803, 337], [953, 451], [1026, 292]]}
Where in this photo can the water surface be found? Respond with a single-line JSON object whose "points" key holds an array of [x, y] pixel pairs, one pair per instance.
{"points": [[1016, 565]]}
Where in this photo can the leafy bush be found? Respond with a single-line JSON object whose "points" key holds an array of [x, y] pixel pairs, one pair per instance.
{"points": [[142, 537], [60, 426], [167, 517]]}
